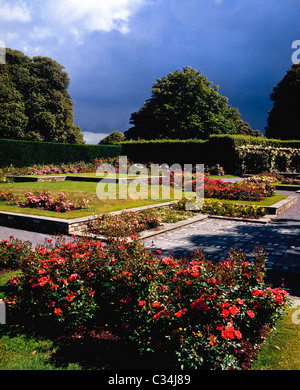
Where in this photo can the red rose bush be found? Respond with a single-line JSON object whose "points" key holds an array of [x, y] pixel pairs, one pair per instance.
{"points": [[201, 312]]}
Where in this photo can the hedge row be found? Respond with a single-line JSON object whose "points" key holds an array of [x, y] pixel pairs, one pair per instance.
{"points": [[226, 150], [26, 153], [219, 149]]}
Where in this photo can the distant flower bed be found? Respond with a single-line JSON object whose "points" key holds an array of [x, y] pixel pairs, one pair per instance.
{"points": [[61, 169], [203, 313], [241, 190], [217, 207], [45, 201], [290, 181], [123, 225]]}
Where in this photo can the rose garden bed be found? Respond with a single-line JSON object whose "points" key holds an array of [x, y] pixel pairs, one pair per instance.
{"points": [[197, 315]]}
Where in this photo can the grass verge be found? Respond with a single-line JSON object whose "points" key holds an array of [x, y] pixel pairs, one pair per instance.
{"points": [[281, 350]]}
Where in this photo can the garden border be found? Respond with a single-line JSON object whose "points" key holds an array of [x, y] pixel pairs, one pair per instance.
{"points": [[53, 226]]}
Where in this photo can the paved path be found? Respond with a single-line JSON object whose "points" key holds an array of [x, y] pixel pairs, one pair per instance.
{"points": [[280, 239]]}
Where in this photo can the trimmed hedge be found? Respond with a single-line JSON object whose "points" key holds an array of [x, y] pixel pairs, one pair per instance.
{"points": [[26, 153], [226, 150], [219, 149], [166, 151]]}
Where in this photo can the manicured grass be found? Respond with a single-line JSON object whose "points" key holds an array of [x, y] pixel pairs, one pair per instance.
{"points": [[265, 202], [222, 177], [282, 348], [19, 351], [88, 190]]}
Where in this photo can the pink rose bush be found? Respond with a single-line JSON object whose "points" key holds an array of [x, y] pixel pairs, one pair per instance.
{"points": [[123, 225], [45, 201]]}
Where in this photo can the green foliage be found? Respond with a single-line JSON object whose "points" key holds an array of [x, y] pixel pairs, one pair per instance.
{"points": [[114, 138], [184, 105], [34, 100], [13, 252], [217, 207], [125, 224], [245, 129], [283, 117], [25, 153]]}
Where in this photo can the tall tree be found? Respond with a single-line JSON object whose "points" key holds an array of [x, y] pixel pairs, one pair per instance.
{"points": [[183, 105], [112, 139], [34, 100], [283, 120]]}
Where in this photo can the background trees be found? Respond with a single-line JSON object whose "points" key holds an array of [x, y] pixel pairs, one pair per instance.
{"points": [[113, 138], [283, 120], [184, 105], [34, 100]]}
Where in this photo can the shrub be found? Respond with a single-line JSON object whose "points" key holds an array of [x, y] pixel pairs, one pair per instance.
{"points": [[12, 253], [123, 225], [290, 181], [217, 207], [201, 310], [248, 189], [45, 201], [27, 153]]}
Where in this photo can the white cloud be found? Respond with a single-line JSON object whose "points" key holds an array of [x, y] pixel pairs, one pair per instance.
{"points": [[18, 12], [93, 138], [83, 16], [57, 22]]}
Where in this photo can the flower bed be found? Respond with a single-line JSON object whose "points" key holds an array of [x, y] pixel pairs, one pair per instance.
{"points": [[123, 225], [217, 207], [45, 201], [204, 313], [250, 189], [241, 190]]}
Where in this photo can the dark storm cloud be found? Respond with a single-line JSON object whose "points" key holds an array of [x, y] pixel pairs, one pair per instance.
{"points": [[241, 45]]}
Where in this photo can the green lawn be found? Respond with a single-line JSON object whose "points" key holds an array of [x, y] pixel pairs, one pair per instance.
{"points": [[282, 348], [87, 190], [147, 195], [265, 202]]}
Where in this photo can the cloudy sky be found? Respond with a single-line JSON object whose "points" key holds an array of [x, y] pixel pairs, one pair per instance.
{"points": [[114, 50]]}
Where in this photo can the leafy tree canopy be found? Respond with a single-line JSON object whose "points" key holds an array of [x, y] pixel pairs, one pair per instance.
{"points": [[34, 100], [283, 122], [113, 138], [184, 105]]}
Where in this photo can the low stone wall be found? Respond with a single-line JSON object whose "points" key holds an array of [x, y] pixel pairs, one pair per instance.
{"points": [[45, 178], [25, 179], [282, 205]]}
